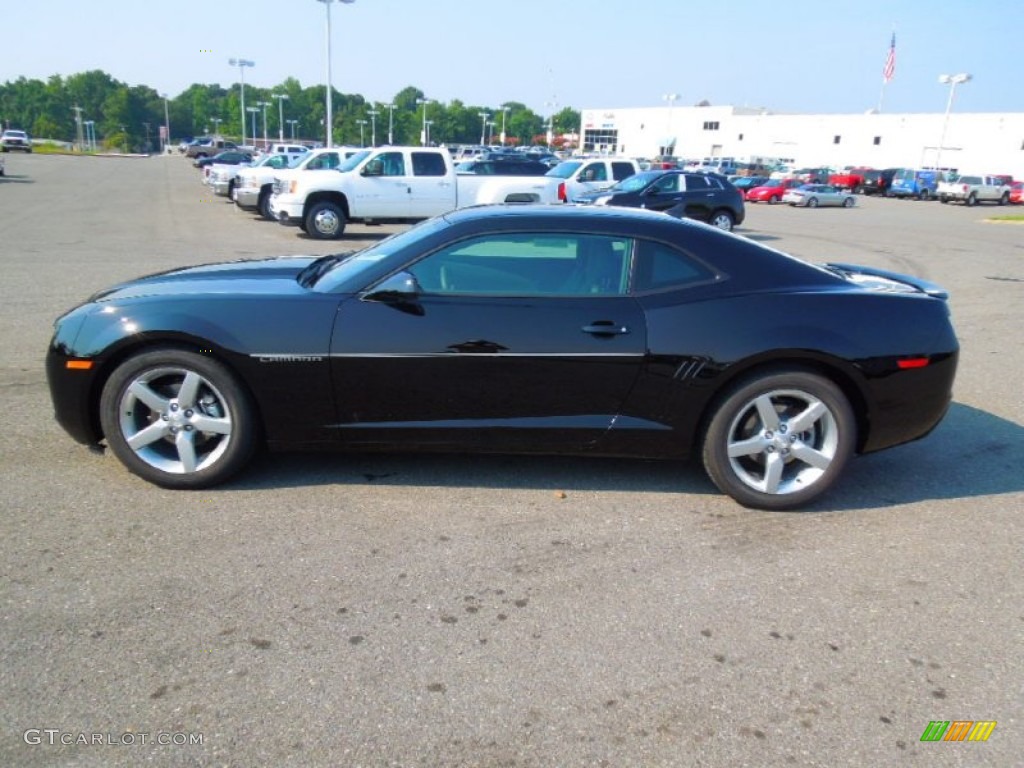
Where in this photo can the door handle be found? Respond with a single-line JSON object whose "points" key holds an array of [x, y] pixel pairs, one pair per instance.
{"points": [[605, 328]]}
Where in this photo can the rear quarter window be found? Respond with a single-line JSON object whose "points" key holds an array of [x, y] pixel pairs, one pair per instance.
{"points": [[428, 164]]}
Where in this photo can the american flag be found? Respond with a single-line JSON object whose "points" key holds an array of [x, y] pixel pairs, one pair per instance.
{"points": [[890, 61]]}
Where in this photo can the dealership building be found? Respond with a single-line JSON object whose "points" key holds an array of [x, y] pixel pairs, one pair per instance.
{"points": [[968, 142]]}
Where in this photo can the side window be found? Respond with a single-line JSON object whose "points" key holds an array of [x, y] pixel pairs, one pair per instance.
{"points": [[392, 163], [527, 264], [660, 266], [428, 164], [594, 172], [696, 182], [668, 183], [622, 171], [324, 162]]}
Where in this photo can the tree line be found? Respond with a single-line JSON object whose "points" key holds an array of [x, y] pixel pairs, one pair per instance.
{"points": [[130, 117]]}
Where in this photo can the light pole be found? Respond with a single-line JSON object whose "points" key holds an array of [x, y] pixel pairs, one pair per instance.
{"points": [[373, 126], [292, 124], [252, 111], [216, 125], [362, 136], [391, 123], [671, 99], [952, 81], [167, 123], [426, 129], [551, 121], [504, 111], [242, 64], [330, 111], [90, 134], [281, 98], [423, 133], [483, 127], [263, 105]]}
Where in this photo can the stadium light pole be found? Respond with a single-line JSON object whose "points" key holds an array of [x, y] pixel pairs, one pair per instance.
{"points": [[292, 124], [281, 98], [483, 127], [330, 110], [423, 133], [373, 126], [264, 105], [952, 81], [167, 123], [362, 132], [391, 123], [242, 64], [252, 111]]}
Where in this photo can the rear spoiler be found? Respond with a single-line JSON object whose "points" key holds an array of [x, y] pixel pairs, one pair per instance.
{"points": [[923, 286]]}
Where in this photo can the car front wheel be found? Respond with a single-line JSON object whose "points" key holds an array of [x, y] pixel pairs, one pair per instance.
{"points": [[722, 220], [812, 203], [178, 419], [779, 440], [848, 202], [325, 221]]}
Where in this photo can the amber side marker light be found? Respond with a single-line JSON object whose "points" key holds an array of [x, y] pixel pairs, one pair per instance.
{"points": [[78, 365], [914, 362]]}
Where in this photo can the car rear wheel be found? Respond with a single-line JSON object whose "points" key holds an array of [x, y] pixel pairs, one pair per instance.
{"points": [[722, 220], [263, 203], [971, 200], [178, 419], [848, 202], [325, 221], [779, 439], [812, 203], [1005, 198]]}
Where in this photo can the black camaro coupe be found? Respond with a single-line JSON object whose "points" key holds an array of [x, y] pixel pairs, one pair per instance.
{"points": [[516, 329]]}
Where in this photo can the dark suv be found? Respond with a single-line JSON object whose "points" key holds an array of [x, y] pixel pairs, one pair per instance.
{"points": [[706, 197], [877, 182]]}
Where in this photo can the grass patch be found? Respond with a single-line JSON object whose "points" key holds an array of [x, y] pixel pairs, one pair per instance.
{"points": [[1008, 217]]}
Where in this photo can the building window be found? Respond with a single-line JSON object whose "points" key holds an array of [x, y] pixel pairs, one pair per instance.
{"points": [[710, 125], [836, 139], [878, 140]]}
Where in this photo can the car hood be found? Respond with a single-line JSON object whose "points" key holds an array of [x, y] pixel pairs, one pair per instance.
{"points": [[254, 276]]}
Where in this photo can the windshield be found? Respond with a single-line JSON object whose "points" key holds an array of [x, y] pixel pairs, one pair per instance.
{"points": [[354, 160], [773, 183], [351, 265], [564, 170], [905, 174]]}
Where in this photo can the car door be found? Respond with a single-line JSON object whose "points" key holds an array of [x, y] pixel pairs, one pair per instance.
{"points": [[664, 193], [431, 187], [512, 341], [696, 197], [590, 177]]}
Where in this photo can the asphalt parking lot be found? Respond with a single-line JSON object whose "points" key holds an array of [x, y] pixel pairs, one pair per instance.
{"points": [[402, 610]]}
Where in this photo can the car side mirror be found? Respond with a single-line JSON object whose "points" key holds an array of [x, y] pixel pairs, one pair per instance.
{"points": [[401, 286]]}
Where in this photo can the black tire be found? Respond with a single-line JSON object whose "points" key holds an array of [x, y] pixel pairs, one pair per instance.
{"points": [[158, 433], [231, 188], [924, 195], [325, 221], [722, 220], [812, 203], [943, 199], [1005, 198], [848, 202], [263, 204], [971, 200], [774, 466], [772, 200]]}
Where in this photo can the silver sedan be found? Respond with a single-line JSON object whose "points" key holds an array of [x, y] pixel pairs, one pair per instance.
{"points": [[813, 195]]}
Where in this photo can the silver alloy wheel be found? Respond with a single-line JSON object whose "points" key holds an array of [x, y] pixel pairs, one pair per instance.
{"points": [[175, 420], [326, 221], [722, 220], [782, 441]]}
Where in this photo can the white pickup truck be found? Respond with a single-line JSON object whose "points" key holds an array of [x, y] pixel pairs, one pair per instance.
{"points": [[389, 184], [971, 190], [255, 184]]}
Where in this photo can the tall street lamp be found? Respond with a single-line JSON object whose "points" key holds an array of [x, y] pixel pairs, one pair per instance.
{"points": [[426, 129], [551, 121], [167, 123], [252, 111], [281, 98], [423, 133], [264, 105], [292, 124], [952, 81], [242, 64], [483, 127], [330, 111], [504, 112], [373, 126], [362, 135], [391, 123]]}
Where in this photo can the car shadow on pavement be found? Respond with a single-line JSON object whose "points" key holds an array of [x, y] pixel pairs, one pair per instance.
{"points": [[349, 235], [972, 453], [9, 179]]}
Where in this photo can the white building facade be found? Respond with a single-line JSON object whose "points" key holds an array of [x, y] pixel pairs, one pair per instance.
{"points": [[968, 142]]}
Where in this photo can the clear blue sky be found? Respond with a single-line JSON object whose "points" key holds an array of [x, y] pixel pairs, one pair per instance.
{"points": [[828, 55]]}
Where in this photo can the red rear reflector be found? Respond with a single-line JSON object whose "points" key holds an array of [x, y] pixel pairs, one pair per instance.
{"points": [[79, 365], [561, 193], [914, 362]]}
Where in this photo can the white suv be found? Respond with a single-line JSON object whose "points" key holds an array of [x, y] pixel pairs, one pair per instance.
{"points": [[12, 139]]}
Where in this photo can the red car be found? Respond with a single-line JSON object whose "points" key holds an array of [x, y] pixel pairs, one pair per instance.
{"points": [[1017, 192], [771, 191]]}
